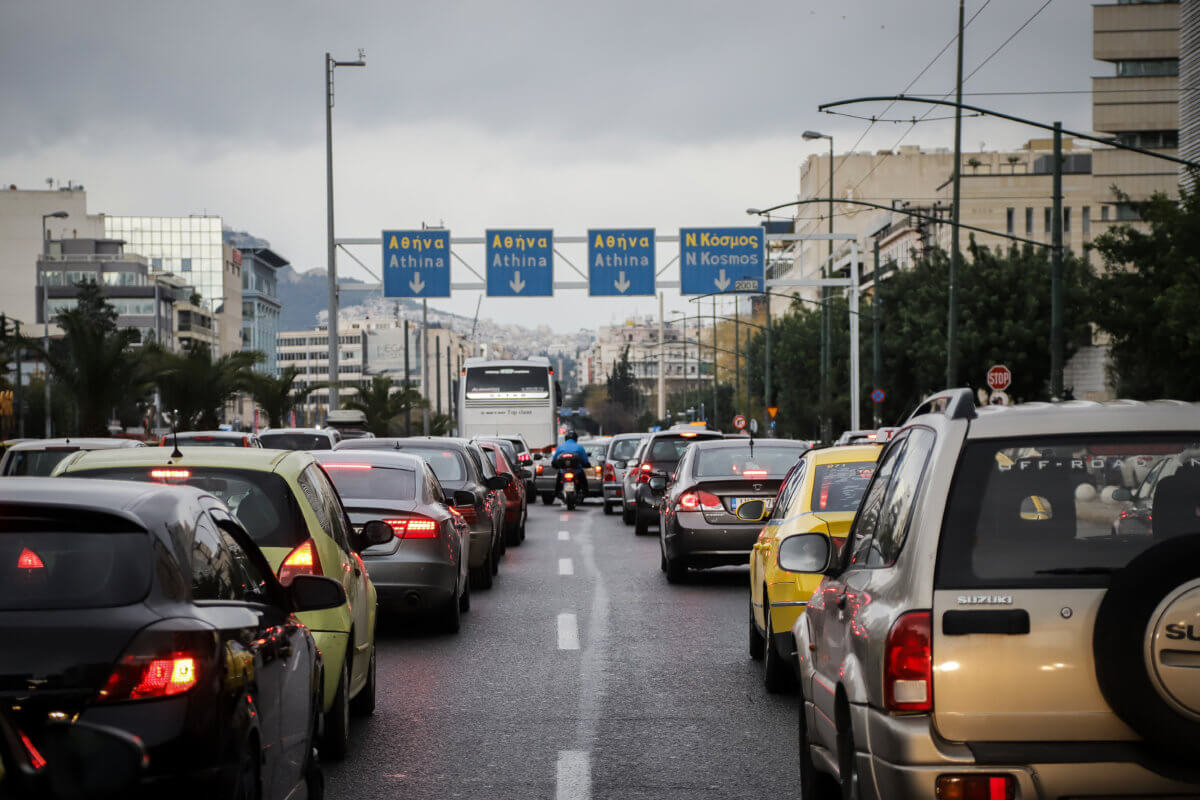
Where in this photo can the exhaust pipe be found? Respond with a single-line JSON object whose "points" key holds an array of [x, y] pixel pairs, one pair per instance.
{"points": [[412, 598]]}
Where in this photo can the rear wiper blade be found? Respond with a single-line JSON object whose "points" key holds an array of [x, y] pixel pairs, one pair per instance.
{"points": [[1076, 571]]}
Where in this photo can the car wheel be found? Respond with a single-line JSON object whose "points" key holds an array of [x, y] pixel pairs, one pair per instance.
{"points": [[570, 502], [626, 514], [511, 537], [640, 526], [336, 741], [662, 560], [756, 638], [314, 776], [524, 519], [450, 618], [497, 551], [814, 784], [777, 673], [363, 704], [676, 571], [249, 783], [608, 509], [481, 576], [464, 599], [547, 498], [848, 763]]}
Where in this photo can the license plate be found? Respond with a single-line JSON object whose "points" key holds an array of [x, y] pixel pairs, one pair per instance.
{"points": [[734, 502], [569, 488]]}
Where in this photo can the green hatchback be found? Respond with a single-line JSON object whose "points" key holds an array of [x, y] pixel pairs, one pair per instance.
{"points": [[288, 504]]}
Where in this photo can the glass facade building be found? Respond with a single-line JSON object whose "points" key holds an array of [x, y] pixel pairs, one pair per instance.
{"points": [[189, 247]]}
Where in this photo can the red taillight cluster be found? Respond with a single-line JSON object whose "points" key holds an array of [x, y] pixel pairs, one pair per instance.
{"points": [[414, 528], [976, 787], [540, 468], [524, 458], [27, 559], [755, 473], [699, 501], [159, 663], [908, 664], [644, 473], [304, 560], [610, 473]]}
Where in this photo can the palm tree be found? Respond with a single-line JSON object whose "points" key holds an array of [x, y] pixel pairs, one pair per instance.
{"points": [[441, 425], [198, 387], [279, 394], [381, 405]]}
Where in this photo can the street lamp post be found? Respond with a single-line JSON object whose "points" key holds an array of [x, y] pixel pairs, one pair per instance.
{"points": [[331, 253], [46, 313], [826, 321]]}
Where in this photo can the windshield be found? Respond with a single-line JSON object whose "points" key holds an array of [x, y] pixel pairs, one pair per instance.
{"points": [[34, 462], [262, 501], [840, 487], [369, 482], [507, 382], [295, 441], [1064, 512], [733, 462]]}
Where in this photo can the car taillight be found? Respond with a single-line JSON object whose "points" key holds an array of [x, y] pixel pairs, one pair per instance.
{"points": [[568, 476], [161, 662], [824, 498], [304, 560], [524, 458], [539, 469], [975, 787], [704, 501], [36, 760], [27, 559], [644, 473], [414, 528], [610, 474], [908, 664], [755, 473]]}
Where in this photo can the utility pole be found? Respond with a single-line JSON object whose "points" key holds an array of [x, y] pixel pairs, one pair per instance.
{"points": [[425, 363], [1056, 273], [407, 381], [662, 363], [700, 358], [766, 359], [955, 256], [737, 348], [18, 392], [331, 248], [876, 311], [716, 368]]}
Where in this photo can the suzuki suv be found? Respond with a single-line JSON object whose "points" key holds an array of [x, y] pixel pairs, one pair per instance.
{"points": [[987, 632]]}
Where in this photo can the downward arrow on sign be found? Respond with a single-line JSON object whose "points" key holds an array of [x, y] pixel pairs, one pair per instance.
{"points": [[516, 284], [620, 283], [416, 284], [722, 281]]}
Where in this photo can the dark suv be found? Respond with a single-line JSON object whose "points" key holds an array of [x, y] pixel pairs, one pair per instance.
{"points": [[460, 466], [660, 456]]}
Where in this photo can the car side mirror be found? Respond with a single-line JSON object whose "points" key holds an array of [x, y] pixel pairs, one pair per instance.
{"points": [[462, 497], [526, 473], [805, 552], [375, 532], [751, 510], [658, 482], [538, 456], [498, 482], [85, 760], [618, 464], [1122, 495], [315, 593]]}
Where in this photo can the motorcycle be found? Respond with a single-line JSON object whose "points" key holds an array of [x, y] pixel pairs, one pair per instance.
{"points": [[572, 480]]}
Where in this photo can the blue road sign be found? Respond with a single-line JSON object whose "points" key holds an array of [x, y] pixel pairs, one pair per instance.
{"points": [[726, 260], [877, 396], [620, 262], [520, 263], [416, 263]]}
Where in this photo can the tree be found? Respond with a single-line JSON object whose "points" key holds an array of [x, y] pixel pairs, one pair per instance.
{"points": [[382, 405], [1146, 299], [278, 394], [197, 386], [441, 425], [94, 364], [622, 385]]}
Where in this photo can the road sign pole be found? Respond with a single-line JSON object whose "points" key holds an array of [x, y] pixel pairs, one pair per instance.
{"points": [[716, 370], [425, 364], [855, 383], [876, 310]]}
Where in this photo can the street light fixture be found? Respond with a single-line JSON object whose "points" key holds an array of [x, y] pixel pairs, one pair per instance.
{"points": [[332, 327], [46, 312]]}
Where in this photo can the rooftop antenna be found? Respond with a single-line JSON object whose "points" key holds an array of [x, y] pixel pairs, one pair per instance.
{"points": [[175, 453]]}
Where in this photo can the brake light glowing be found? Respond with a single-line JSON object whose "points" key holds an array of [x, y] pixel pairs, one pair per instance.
{"points": [[688, 435], [164, 677], [823, 501], [755, 473], [414, 528], [170, 474], [568, 476], [539, 469], [645, 467], [347, 466], [29, 560], [610, 473], [705, 501], [523, 458], [908, 664], [35, 758], [301, 561]]}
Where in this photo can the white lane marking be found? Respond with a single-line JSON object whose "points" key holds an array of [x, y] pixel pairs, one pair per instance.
{"points": [[574, 775], [568, 632], [566, 566], [564, 536]]}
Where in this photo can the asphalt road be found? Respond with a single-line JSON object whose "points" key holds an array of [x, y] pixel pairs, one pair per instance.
{"points": [[581, 674]]}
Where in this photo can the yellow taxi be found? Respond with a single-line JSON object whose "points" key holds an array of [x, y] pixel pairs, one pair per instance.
{"points": [[821, 493]]}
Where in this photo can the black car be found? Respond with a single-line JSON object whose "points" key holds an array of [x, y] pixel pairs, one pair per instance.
{"points": [[149, 609], [698, 525], [460, 466], [660, 454]]}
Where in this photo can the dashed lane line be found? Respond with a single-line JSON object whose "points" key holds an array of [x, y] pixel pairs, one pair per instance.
{"points": [[566, 566], [568, 632], [573, 780], [564, 536]]}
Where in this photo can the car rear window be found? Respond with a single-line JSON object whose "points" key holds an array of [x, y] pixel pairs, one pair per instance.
{"points": [[60, 563], [447, 465], [1064, 512], [370, 482], [35, 462], [262, 501], [670, 448], [206, 441], [840, 487], [623, 449], [760, 461], [295, 441]]}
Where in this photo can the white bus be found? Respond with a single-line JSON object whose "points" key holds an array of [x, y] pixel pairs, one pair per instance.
{"points": [[510, 397]]}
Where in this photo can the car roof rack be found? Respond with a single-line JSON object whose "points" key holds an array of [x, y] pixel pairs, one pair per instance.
{"points": [[953, 403]]}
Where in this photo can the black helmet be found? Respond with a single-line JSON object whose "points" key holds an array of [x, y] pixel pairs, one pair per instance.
{"points": [[570, 436]]}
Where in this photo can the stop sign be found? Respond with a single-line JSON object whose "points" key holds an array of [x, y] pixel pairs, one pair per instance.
{"points": [[999, 377]]}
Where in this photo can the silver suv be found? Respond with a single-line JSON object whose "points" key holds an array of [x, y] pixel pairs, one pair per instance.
{"points": [[987, 631]]}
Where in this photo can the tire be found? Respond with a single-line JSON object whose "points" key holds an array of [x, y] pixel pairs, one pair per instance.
{"points": [[848, 763], [777, 673], [481, 576], [363, 703], [662, 560], [248, 785], [814, 784], [608, 509], [512, 536], [640, 526], [676, 571], [524, 519], [756, 639], [464, 599], [450, 617], [570, 501], [335, 741], [547, 498], [314, 776], [627, 516]]}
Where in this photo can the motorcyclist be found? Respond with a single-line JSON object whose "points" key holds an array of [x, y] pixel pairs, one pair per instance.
{"points": [[570, 446]]}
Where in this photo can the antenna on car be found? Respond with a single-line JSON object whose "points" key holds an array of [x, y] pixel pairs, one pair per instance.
{"points": [[175, 434]]}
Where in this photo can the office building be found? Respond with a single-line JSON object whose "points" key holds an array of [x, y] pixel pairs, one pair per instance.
{"points": [[260, 296]]}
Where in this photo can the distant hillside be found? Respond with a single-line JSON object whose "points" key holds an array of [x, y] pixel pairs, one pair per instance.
{"points": [[303, 294]]}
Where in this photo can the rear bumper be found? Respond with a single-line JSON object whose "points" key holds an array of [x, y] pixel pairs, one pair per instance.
{"points": [[546, 483], [700, 544], [413, 585], [906, 756], [612, 492]]}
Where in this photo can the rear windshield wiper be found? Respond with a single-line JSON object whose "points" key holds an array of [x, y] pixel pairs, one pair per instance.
{"points": [[1076, 571]]}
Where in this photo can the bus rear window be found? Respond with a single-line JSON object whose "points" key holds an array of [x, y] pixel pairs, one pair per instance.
{"points": [[507, 382]]}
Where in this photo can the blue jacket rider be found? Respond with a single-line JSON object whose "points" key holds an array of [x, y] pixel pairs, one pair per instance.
{"points": [[572, 447]]}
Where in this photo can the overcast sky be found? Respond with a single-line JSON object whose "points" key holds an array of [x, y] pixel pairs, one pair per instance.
{"points": [[559, 114]]}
